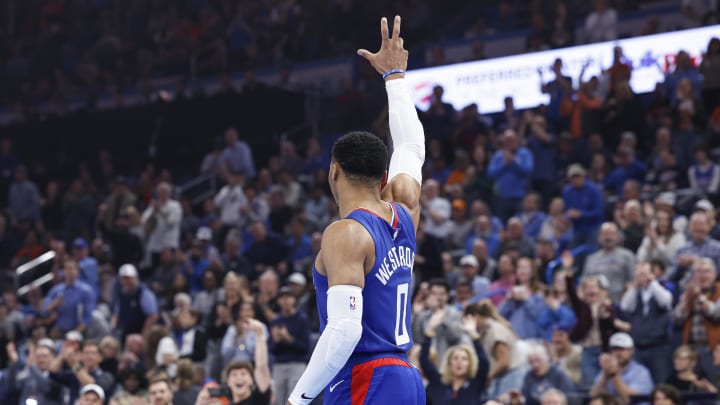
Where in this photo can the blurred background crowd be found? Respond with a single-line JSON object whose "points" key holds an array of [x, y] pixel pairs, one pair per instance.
{"points": [[566, 253]]}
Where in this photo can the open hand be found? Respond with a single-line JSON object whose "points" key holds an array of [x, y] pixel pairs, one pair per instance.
{"points": [[391, 55], [11, 352]]}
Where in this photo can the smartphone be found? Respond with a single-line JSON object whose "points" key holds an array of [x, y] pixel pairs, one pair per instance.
{"points": [[220, 392]]}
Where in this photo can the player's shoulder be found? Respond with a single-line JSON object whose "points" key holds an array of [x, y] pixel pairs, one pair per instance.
{"points": [[346, 232]]}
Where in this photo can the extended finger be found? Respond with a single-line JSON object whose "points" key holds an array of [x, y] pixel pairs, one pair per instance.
{"points": [[384, 32], [365, 53], [396, 27]]}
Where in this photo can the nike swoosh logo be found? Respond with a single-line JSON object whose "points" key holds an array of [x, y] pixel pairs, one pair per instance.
{"points": [[332, 387], [304, 397]]}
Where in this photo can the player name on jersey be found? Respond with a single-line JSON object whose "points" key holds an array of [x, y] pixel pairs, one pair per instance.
{"points": [[397, 256]]}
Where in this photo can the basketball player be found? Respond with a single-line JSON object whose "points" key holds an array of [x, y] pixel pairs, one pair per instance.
{"points": [[363, 271]]}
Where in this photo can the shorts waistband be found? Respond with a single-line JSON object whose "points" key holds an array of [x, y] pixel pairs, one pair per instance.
{"points": [[359, 358]]}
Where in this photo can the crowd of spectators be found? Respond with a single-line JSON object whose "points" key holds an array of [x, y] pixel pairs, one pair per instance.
{"points": [[567, 251], [56, 52]]}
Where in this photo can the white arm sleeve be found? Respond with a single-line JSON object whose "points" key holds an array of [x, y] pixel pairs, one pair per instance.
{"points": [[406, 131], [336, 344]]}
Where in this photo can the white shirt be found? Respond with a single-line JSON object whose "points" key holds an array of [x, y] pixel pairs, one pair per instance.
{"points": [[663, 297], [601, 27], [230, 200], [441, 207], [166, 230], [663, 250]]}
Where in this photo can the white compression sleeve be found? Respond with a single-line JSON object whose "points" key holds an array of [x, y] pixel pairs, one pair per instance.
{"points": [[406, 131], [336, 344]]}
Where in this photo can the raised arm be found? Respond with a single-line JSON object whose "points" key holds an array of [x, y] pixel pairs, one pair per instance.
{"points": [[344, 250], [406, 131], [262, 368]]}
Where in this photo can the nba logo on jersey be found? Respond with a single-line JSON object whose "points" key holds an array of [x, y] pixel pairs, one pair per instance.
{"points": [[353, 305]]}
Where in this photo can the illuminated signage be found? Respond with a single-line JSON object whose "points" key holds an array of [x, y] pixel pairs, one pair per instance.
{"points": [[488, 82]]}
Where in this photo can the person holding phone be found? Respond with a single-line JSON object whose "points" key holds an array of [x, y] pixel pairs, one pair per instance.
{"points": [[246, 384]]}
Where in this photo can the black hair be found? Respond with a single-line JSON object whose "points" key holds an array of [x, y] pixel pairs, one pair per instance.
{"points": [[605, 398], [362, 156], [440, 282], [671, 392]]}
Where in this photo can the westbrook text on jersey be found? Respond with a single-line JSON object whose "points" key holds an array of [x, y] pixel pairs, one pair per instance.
{"points": [[397, 256]]}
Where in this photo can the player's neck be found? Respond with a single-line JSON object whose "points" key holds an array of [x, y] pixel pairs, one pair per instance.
{"points": [[355, 197]]}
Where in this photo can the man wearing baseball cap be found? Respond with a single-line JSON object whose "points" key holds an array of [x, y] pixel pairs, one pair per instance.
{"points": [[136, 308], [584, 205], [91, 394], [620, 375], [88, 265]]}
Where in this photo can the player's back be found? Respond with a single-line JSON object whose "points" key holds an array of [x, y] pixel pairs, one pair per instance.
{"points": [[378, 371], [386, 295]]}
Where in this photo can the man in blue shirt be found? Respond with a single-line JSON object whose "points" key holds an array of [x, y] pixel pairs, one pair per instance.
{"points": [[700, 244], [511, 168], [23, 197], [684, 69], [584, 205], [532, 216], [541, 143], [236, 157], [136, 307], [88, 265], [620, 375], [71, 303], [628, 168]]}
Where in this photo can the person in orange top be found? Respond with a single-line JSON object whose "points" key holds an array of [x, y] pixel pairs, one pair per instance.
{"points": [[29, 251], [461, 164], [587, 101]]}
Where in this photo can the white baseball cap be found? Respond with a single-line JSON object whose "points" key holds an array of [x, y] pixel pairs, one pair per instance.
{"points": [[93, 388], [128, 270], [469, 260], [203, 233], [297, 278], [704, 205], [621, 340], [74, 336]]}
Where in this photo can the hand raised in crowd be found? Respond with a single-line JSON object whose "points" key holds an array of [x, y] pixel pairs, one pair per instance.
{"points": [[204, 398], [643, 277], [573, 213], [552, 301], [608, 364], [392, 54], [255, 326], [704, 385], [469, 326], [567, 259], [435, 320], [691, 293], [686, 260], [12, 353]]}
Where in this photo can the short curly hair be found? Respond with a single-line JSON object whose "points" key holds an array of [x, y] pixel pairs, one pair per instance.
{"points": [[362, 156]]}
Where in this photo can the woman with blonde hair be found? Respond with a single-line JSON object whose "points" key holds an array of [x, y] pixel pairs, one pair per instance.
{"points": [[507, 368], [462, 375], [110, 352], [685, 379]]}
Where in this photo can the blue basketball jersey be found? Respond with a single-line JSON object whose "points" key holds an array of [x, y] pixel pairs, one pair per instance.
{"points": [[386, 296]]}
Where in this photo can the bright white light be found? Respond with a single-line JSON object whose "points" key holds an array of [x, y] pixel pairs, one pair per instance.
{"points": [[488, 82]]}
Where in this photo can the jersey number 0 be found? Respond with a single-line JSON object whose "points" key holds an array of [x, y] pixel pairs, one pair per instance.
{"points": [[401, 333]]}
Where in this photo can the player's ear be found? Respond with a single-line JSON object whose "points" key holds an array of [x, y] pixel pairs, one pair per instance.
{"points": [[384, 181], [334, 171]]}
